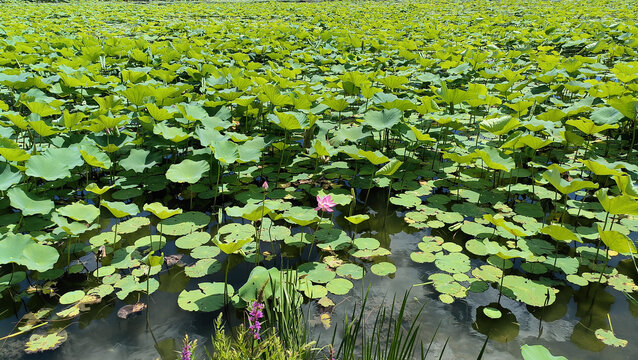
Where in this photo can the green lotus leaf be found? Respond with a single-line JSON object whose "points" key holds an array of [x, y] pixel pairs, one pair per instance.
{"points": [[72, 297], [316, 272], [193, 240], [205, 252], [618, 205], [120, 209], [289, 120], [260, 284], [23, 250], [375, 157], [616, 241], [381, 120], [528, 291], [139, 160], [231, 247], [500, 126], [43, 167], [173, 134], [564, 186], [494, 160], [251, 211], [79, 211], [588, 126], [95, 157], [11, 151], [28, 203], [351, 271], [8, 176], [183, 224], [339, 286], [94, 188], [161, 211], [366, 243], [202, 268], [188, 171], [407, 200], [538, 352], [383, 268], [357, 219], [601, 167], [560, 233], [302, 216], [209, 297], [492, 313], [453, 263]]}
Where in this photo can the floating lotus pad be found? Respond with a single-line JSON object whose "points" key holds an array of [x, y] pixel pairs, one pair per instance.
{"points": [[183, 224]]}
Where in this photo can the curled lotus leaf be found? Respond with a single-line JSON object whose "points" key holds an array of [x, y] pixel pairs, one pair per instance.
{"points": [[161, 211], [28, 203], [120, 209]]}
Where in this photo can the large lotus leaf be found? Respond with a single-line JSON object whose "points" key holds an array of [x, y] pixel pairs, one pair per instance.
{"points": [[231, 247], [202, 268], [375, 157], [28, 203], [8, 176], [120, 209], [352, 271], [289, 120], [252, 211], [528, 291], [250, 151], [339, 286], [23, 250], [560, 233], [260, 284], [494, 160], [173, 134], [188, 171], [626, 186], [11, 151], [316, 272], [381, 120], [95, 157], [453, 263], [588, 126], [43, 167], [600, 166], [133, 224], [183, 224], [227, 152], [383, 268], [193, 240], [618, 205], [564, 186], [500, 126], [79, 211], [616, 241], [161, 211], [301, 215], [390, 168], [139, 160]]}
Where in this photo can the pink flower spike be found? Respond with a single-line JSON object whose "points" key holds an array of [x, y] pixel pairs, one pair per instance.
{"points": [[265, 185], [325, 203]]}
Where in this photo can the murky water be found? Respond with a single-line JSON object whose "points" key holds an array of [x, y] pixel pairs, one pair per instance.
{"points": [[566, 327]]}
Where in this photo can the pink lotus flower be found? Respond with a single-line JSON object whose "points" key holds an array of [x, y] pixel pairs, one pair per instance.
{"points": [[265, 185], [324, 203]]}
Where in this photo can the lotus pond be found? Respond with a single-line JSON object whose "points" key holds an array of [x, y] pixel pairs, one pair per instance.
{"points": [[163, 162]]}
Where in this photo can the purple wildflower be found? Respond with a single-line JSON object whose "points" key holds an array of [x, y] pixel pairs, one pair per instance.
{"points": [[254, 315], [188, 348]]}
